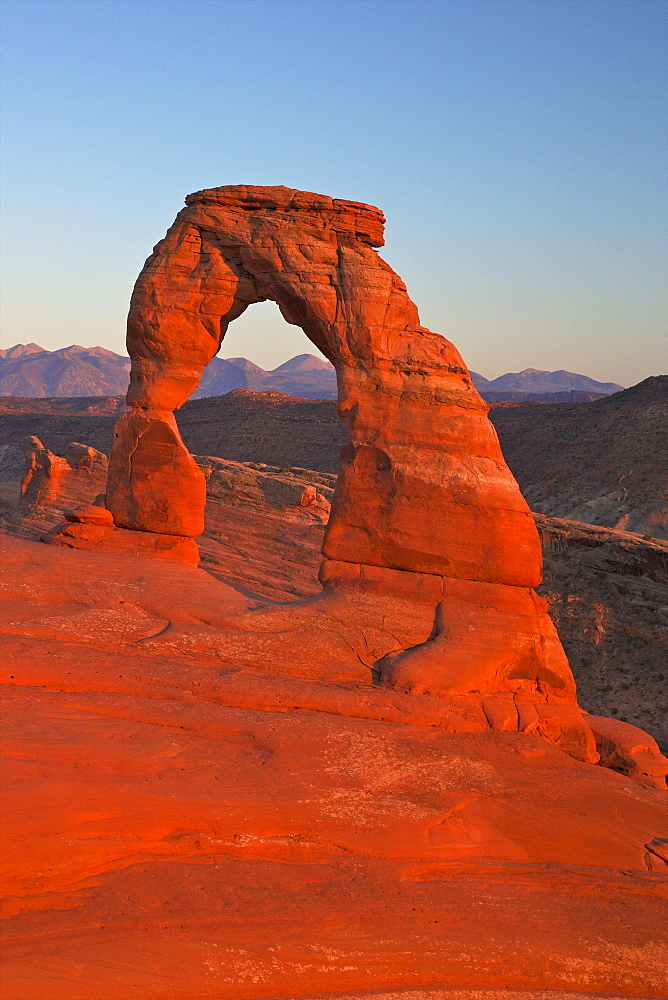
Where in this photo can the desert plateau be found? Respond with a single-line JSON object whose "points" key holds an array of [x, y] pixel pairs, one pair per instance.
{"points": [[352, 696]]}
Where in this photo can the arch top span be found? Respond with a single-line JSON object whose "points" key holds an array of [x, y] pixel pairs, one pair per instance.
{"points": [[313, 255], [364, 222]]}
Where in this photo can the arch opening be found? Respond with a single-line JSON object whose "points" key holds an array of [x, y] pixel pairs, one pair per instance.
{"points": [[261, 352]]}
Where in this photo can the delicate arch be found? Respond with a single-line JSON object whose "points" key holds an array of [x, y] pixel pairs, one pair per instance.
{"points": [[423, 485]]}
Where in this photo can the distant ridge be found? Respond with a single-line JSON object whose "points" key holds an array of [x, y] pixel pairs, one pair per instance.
{"points": [[531, 380], [27, 370], [304, 375], [604, 462], [246, 365]]}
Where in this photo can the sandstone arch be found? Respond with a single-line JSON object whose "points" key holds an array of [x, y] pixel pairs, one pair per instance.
{"points": [[418, 429], [425, 502]]}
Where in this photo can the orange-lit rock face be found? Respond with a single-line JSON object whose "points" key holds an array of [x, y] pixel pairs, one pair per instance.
{"points": [[423, 488], [423, 483], [156, 485]]}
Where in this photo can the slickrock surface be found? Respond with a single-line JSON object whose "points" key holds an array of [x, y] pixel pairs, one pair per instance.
{"points": [[178, 826]]}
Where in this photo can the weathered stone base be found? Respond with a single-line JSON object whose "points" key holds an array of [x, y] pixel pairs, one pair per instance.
{"points": [[103, 538]]}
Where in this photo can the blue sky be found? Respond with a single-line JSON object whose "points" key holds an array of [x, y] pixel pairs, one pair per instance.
{"points": [[517, 148]]}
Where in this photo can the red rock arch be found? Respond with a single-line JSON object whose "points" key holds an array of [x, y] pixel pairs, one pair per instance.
{"points": [[423, 491], [423, 485]]}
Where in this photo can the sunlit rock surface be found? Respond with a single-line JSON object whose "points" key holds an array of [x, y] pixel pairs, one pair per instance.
{"points": [[180, 824], [385, 786]]}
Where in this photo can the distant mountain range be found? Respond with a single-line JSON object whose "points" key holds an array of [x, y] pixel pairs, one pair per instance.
{"points": [[28, 371], [534, 382], [305, 375]]}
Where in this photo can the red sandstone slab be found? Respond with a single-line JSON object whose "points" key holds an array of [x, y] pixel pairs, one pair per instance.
{"points": [[257, 855], [182, 830]]}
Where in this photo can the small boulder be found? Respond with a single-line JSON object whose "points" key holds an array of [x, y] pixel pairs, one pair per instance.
{"points": [[629, 750], [88, 514]]}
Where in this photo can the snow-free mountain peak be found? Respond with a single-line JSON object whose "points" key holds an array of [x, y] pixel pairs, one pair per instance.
{"points": [[246, 365], [19, 350], [304, 363], [534, 380]]}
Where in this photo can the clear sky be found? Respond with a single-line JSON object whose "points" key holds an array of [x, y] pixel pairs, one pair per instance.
{"points": [[517, 148]]}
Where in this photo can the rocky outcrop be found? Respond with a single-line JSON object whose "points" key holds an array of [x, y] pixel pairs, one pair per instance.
{"points": [[608, 596], [12, 471], [53, 484], [154, 483], [624, 553], [607, 591], [70, 487], [86, 529], [629, 750], [264, 526], [423, 493]]}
